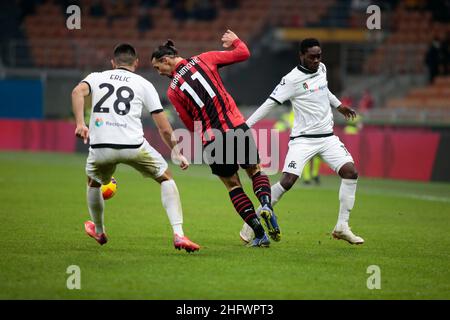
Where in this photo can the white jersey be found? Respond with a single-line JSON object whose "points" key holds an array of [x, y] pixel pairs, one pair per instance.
{"points": [[311, 99], [118, 97]]}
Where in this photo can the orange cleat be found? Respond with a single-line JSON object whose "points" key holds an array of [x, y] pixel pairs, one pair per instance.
{"points": [[184, 243], [89, 227]]}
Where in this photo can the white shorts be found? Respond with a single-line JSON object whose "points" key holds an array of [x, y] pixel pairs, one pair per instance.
{"points": [[101, 163], [301, 150]]}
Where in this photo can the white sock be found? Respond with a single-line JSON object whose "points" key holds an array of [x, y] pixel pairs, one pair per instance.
{"points": [[277, 193], [347, 200], [96, 204], [170, 199]]}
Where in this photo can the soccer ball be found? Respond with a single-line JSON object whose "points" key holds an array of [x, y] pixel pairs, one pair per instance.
{"points": [[110, 189]]}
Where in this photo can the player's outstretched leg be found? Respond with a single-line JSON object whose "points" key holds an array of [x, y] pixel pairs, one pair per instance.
{"points": [[245, 208], [347, 200], [347, 193], [277, 192], [95, 228], [170, 199], [270, 220], [262, 190]]}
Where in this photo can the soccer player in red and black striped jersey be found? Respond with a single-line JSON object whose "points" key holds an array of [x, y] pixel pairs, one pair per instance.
{"points": [[204, 105]]}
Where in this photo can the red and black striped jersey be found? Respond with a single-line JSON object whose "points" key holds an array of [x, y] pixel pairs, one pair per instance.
{"points": [[199, 96]]}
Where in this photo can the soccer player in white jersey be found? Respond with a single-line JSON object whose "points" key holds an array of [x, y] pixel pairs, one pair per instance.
{"points": [[306, 87], [116, 136]]}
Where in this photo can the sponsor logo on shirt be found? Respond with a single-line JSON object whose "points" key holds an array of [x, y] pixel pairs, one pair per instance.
{"points": [[116, 124], [98, 122], [324, 87]]}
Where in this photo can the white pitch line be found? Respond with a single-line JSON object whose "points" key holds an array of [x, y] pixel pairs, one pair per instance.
{"points": [[392, 194], [414, 196]]}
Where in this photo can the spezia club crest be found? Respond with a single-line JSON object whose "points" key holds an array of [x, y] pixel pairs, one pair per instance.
{"points": [[305, 86]]}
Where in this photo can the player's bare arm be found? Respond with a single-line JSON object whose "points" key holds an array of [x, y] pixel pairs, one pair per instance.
{"points": [[78, 94], [348, 112], [228, 38], [166, 132]]}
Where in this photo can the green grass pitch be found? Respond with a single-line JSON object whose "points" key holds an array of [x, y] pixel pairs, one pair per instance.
{"points": [[43, 207]]}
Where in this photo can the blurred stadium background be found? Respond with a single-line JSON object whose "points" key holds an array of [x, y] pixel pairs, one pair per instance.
{"points": [[398, 77]]}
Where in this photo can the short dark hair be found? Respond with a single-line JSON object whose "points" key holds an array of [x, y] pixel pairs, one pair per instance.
{"points": [[167, 49], [125, 54], [308, 43]]}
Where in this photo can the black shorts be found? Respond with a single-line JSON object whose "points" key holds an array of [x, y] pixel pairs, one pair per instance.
{"points": [[238, 148]]}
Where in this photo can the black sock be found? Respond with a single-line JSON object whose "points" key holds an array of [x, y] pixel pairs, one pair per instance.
{"points": [[255, 224], [245, 208], [261, 188]]}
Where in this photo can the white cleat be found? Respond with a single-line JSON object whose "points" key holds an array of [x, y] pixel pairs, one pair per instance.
{"points": [[247, 234], [347, 235]]}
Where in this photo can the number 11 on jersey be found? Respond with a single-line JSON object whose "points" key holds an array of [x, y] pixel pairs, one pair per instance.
{"points": [[186, 87]]}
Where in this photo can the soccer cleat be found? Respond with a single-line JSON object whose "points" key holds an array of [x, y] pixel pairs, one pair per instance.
{"points": [[271, 223], [347, 235], [89, 227], [184, 243], [260, 242], [247, 234]]}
